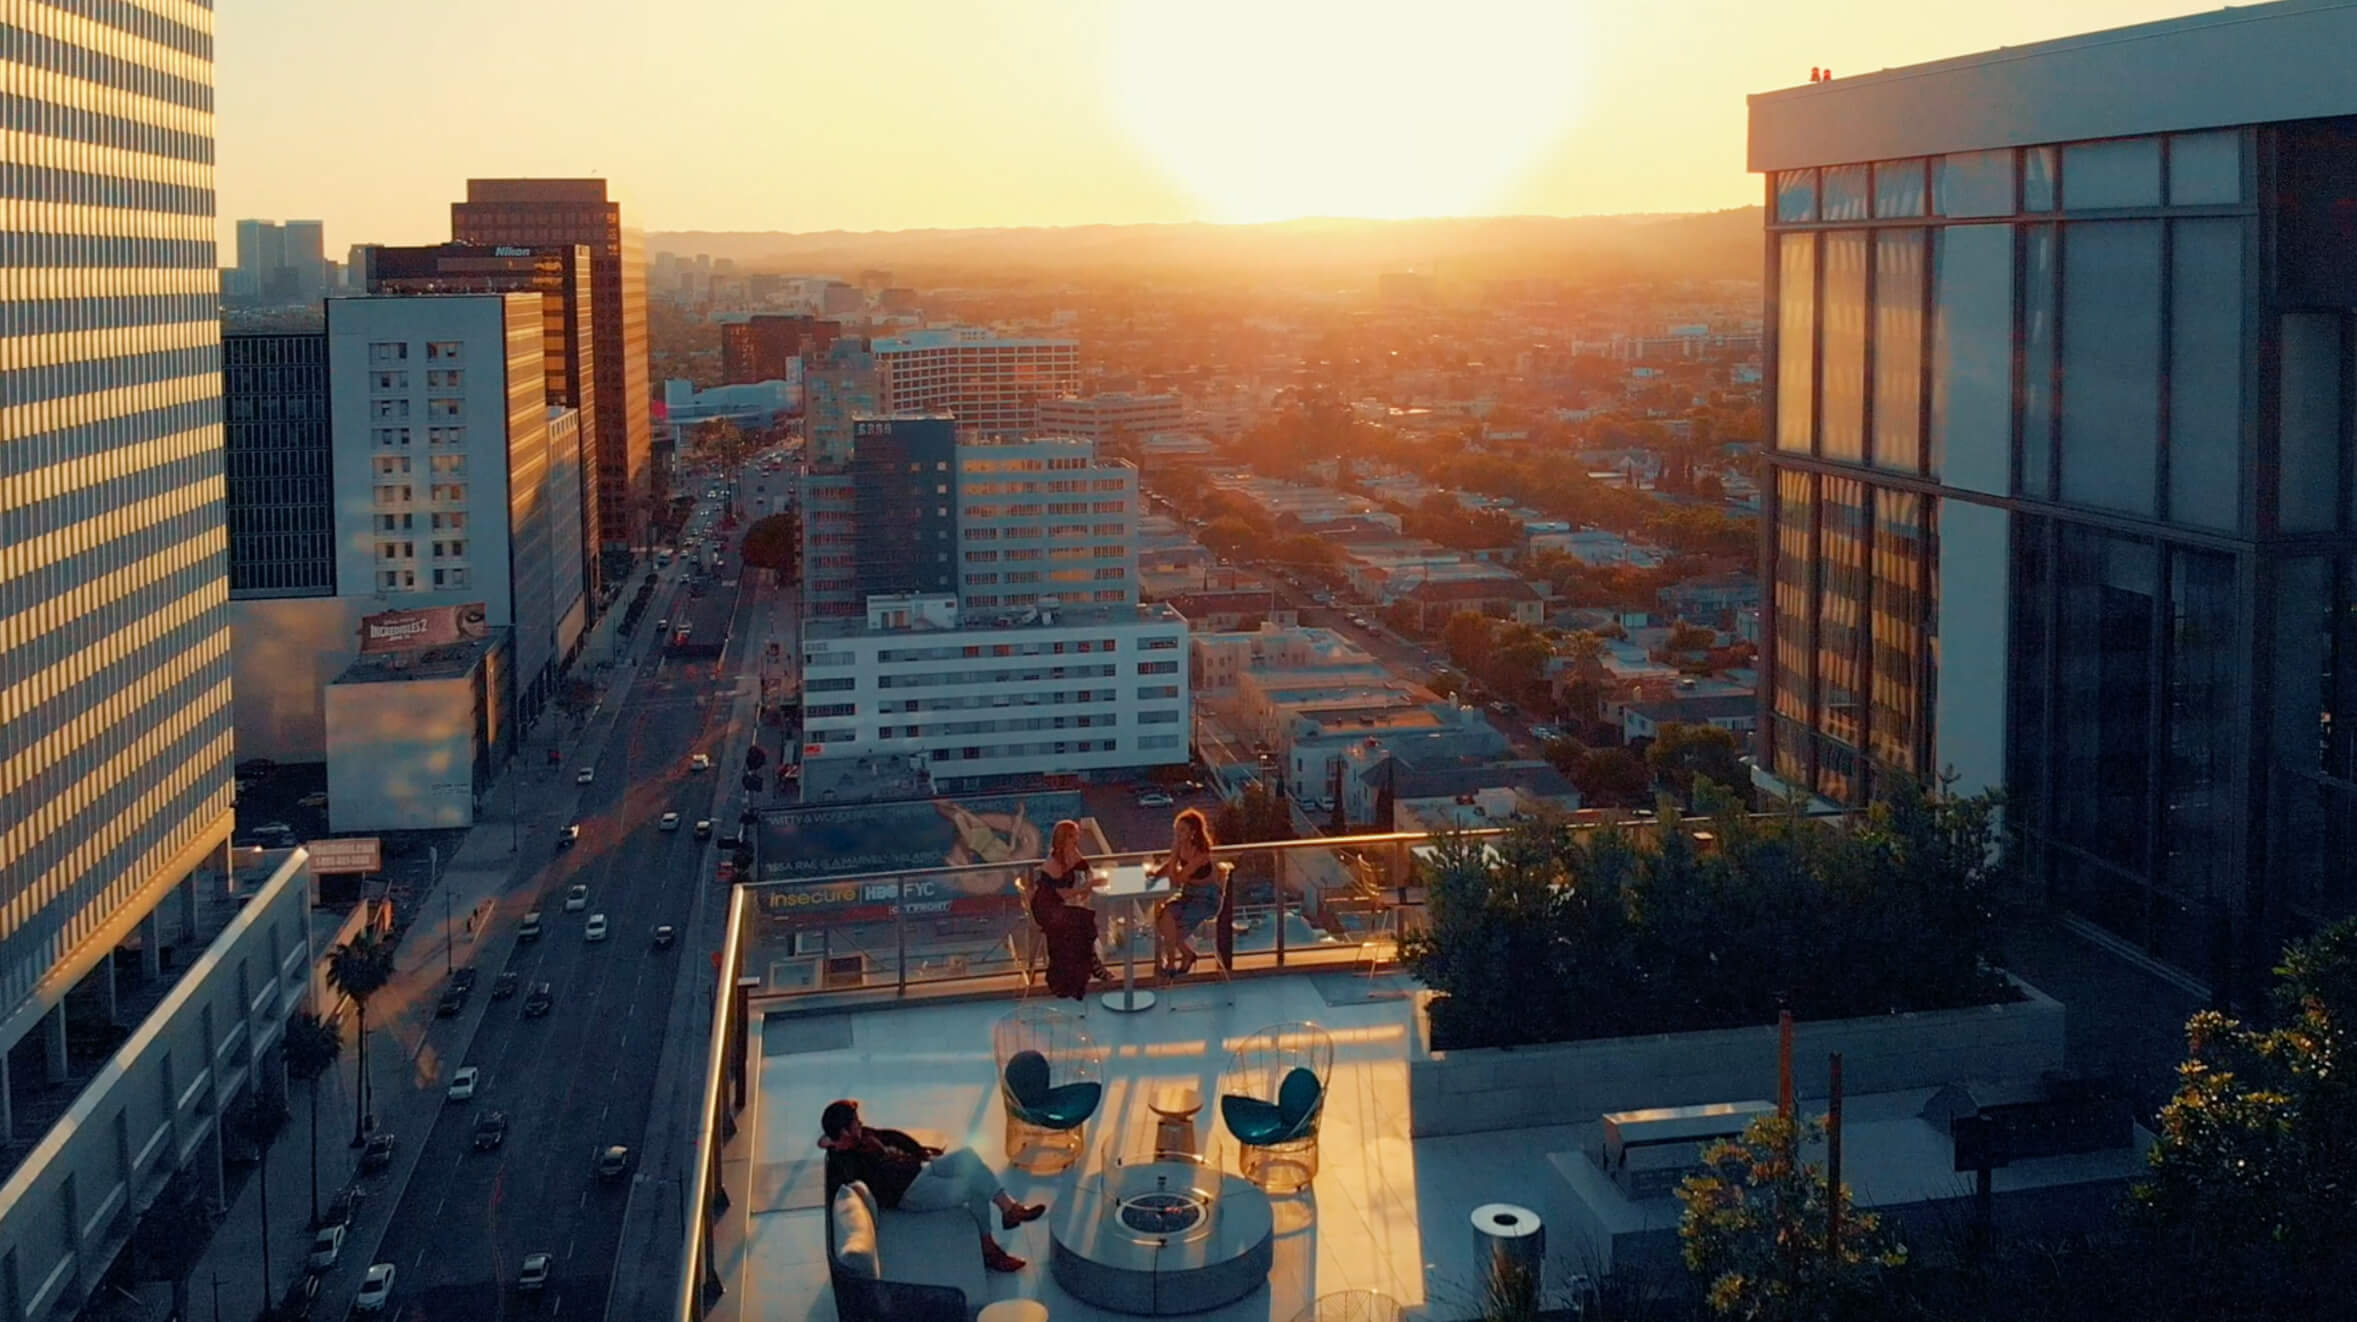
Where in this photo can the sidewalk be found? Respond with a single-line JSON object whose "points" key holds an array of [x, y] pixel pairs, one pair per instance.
{"points": [[474, 885]]}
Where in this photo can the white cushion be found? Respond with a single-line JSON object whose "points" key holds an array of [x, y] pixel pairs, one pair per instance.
{"points": [[855, 1232]]}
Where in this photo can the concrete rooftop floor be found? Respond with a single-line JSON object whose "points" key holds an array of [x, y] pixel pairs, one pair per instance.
{"points": [[1385, 1213]]}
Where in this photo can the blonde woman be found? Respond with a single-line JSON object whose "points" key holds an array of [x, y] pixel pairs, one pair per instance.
{"points": [[1192, 869]]}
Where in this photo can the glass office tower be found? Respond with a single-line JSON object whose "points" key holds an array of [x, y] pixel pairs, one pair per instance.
{"points": [[2063, 395]]}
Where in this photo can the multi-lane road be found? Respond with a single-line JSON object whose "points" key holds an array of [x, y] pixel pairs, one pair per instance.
{"points": [[581, 1077]]}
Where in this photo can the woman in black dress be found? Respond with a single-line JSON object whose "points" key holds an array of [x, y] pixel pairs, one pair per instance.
{"points": [[1059, 906]]}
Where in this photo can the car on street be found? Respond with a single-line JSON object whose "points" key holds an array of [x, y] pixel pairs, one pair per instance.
{"points": [[376, 1289], [1154, 799], [613, 1162], [463, 978], [585, 775], [530, 930], [700, 762], [462, 1084], [576, 898], [504, 985], [669, 822], [1542, 733], [596, 931], [663, 625], [568, 835], [665, 935], [301, 1295], [537, 1003], [490, 1130], [325, 1247], [534, 1276], [378, 1154], [703, 828], [453, 1000], [315, 799], [344, 1206]]}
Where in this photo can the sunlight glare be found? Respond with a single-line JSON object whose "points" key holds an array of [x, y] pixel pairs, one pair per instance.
{"points": [[1278, 109]]}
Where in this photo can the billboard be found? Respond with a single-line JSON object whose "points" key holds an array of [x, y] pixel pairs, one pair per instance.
{"points": [[429, 626], [799, 843], [359, 853]]}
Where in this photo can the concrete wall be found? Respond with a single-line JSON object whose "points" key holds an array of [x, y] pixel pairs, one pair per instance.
{"points": [[401, 754], [285, 651], [1474, 1091], [157, 1104]]}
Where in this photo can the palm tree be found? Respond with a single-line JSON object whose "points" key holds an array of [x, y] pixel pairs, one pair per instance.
{"points": [[311, 1046], [258, 1125], [360, 968]]}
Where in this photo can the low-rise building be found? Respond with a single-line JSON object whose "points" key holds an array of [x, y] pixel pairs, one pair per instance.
{"points": [[1273, 654], [412, 737], [1447, 798], [975, 699], [1737, 712], [1499, 594], [1238, 606]]}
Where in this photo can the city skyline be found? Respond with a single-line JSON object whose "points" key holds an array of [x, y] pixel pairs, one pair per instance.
{"points": [[1125, 114]]}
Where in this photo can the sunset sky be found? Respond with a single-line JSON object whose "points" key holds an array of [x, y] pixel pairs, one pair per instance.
{"points": [[903, 114]]}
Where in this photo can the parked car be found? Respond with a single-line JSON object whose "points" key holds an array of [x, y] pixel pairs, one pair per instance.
{"points": [[668, 822], [302, 1294], [596, 930], [504, 985], [315, 799], [530, 930], [613, 1162], [344, 1206], [585, 775], [490, 1130], [534, 1276], [376, 1289], [378, 1154], [576, 898], [463, 977], [462, 1084], [453, 1000], [325, 1247], [542, 997], [1154, 799]]}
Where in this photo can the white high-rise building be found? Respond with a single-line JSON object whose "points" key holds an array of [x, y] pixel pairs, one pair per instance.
{"points": [[119, 894], [995, 386]]}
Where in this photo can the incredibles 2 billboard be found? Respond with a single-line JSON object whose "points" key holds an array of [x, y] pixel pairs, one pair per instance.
{"points": [[416, 630]]}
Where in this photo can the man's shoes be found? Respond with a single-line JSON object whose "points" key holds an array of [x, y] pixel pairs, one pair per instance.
{"points": [[999, 1260], [1011, 1217]]}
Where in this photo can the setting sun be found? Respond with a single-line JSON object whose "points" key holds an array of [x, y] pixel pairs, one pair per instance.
{"points": [[1266, 111]]}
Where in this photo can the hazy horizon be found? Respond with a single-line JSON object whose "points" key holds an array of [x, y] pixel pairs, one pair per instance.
{"points": [[745, 116]]}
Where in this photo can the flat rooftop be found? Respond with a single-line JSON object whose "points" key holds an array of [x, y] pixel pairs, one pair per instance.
{"points": [[1000, 621], [431, 663]]}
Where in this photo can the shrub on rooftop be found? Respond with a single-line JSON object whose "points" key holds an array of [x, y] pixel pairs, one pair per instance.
{"points": [[1564, 933]]}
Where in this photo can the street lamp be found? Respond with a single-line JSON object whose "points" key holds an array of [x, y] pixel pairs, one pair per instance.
{"points": [[449, 936]]}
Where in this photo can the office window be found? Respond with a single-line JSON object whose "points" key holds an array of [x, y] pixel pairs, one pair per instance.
{"points": [[2121, 173], [2038, 174], [1846, 543], [1898, 188], [444, 408], [1794, 605], [2037, 361], [1796, 195], [1898, 349], [448, 379], [1843, 195], [2311, 381], [2103, 738], [389, 381], [2205, 169], [2111, 316], [442, 351], [1841, 428], [1972, 358], [388, 351], [1973, 184], [2205, 374], [1796, 341]]}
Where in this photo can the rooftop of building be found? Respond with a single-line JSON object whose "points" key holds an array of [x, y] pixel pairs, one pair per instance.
{"points": [[1010, 620], [447, 662], [1691, 707], [1473, 586], [950, 337], [1530, 776]]}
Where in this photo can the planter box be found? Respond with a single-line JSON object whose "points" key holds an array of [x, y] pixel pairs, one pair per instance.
{"points": [[1474, 1090]]}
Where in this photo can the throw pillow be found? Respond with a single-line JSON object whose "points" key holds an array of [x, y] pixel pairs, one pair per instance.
{"points": [[855, 1233]]}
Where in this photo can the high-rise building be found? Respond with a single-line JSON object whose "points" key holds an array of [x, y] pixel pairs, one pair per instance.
{"points": [[564, 276], [577, 211], [1045, 518], [146, 968], [838, 386], [281, 485], [280, 263], [886, 521], [765, 345], [2064, 461], [995, 386], [306, 259], [442, 438]]}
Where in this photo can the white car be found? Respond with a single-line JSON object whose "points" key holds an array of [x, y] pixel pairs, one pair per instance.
{"points": [[376, 1289], [596, 931], [700, 762], [534, 1276], [462, 1084], [325, 1246], [669, 822], [576, 898], [1154, 799], [585, 775]]}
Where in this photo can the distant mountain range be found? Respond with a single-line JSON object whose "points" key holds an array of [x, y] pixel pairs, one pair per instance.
{"points": [[1350, 253]]}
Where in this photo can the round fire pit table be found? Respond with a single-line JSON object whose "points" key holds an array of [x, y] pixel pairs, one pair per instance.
{"points": [[1161, 1238]]}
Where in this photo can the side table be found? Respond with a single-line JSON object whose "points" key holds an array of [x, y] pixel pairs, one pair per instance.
{"points": [[1175, 1108]]}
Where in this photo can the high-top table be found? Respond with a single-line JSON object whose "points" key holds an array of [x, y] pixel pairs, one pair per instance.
{"points": [[1128, 881]]}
